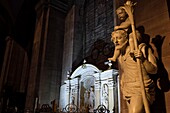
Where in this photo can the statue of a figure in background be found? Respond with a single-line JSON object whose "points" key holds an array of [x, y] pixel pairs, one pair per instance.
{"points": [[136, 85], [105, 96], [72, 99], [91, 99], [86, 97]]}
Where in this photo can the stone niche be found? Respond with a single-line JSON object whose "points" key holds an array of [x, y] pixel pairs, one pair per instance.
{"points": [[88, 88]]}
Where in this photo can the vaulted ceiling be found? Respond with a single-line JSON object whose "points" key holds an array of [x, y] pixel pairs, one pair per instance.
{"points": [[17, 20]]}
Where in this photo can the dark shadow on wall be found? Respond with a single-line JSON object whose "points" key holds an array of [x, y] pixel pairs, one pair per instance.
{"points": [[145, 37], [164, 82], [99, 54], [160, 79], [168, 4]]}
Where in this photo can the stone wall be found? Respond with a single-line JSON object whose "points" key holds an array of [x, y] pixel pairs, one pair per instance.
{"points": [[154, 16]]}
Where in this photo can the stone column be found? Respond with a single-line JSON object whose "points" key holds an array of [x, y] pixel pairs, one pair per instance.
{"points": [[4, 73], [73, 38], [46, 65], [13, 78], [5, 67]]}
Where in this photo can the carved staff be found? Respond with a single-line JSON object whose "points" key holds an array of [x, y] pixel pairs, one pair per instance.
{"points": [[129, 9]]}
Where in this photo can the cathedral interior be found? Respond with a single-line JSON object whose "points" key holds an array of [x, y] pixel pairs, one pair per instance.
{"points": [[44, 41]]}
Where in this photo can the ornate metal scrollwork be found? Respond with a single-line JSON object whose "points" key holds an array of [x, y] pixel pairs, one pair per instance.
{"points": [[71, 108], [101, 109]]}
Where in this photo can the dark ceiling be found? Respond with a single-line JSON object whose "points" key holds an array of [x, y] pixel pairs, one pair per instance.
{"points": [[17, 20]]}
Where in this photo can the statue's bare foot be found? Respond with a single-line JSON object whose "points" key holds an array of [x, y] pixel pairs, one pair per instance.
{"points": [[112, 59]]}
